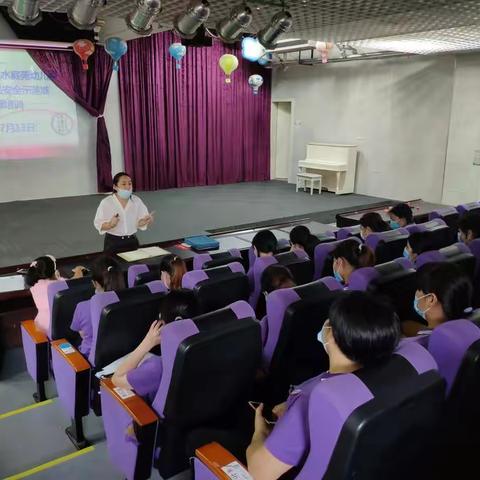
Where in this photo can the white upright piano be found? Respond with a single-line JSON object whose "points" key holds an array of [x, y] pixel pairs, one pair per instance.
{"points": [[336, 163]]}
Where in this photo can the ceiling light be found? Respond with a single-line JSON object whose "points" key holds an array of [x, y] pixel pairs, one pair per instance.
{"points": [[25, 12], [229, 29], [142, 18], [83, 14], [280, 23], [187, 24]]}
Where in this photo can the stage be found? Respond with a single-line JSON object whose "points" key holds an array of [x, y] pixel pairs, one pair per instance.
{"points": [[63, 227]]}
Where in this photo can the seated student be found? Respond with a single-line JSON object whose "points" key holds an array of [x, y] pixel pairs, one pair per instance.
{"points": [[443, 293], [106, 276], [41, 272], [273, 278], [172, 270], [348, 256], [469, 227], [264, 244], [302, 239], [362, 331], [143, 372], [372, 222], [400, 215], [417, 243]]}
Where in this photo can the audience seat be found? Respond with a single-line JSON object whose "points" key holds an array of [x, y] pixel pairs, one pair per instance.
{"points": [[140, 274], [394, 280], [455, 345], [469, 207], [451, 217], [217, 287], [283, 245], [207, 380], [297, 261], [209, 260], [62, 303], [458, 253], [376, 423], [323, 259], [297, 354], [348, 232], [388, 245], [437, 230], [279, 301], [120, 320]]}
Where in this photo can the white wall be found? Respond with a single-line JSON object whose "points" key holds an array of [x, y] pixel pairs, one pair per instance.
{"points": [[462, 178], [74, 174], [397, 111]]}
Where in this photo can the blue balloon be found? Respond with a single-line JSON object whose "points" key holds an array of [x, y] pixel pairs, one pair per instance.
{"points": [[116, 48], [177, 51], [252, 49]]}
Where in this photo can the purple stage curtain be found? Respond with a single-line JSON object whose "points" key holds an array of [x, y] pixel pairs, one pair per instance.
{"points": [[88, 89], [188, 127]]}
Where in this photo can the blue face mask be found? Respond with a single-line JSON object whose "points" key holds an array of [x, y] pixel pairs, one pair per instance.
{"points": [[125, 194], [459, 237], [337, 276], [419, 311], [394, 224], [406, 254]]}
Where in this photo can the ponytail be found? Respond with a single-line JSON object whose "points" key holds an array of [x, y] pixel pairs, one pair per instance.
{"points": [[42, 268], [107, 273], [176, 268], [356, 254]]}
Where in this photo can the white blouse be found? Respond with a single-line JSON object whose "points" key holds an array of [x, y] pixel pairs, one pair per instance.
{"points": [[128, 216]]}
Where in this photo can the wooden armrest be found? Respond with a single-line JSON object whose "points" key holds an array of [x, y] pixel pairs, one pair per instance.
{"points": [[214, 457], [76, 360], [136, 407], [36, 335]]}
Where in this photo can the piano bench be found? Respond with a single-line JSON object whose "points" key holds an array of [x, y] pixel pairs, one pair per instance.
{"points": [[309, 180]]}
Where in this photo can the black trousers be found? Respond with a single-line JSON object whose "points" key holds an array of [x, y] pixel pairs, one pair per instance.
{"points": [[115, 243]]}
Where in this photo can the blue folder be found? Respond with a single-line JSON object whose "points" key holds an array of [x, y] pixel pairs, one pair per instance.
{"points": [[201, 243]]}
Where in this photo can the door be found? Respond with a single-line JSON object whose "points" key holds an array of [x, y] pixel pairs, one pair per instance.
{"points": [[281, 139]]}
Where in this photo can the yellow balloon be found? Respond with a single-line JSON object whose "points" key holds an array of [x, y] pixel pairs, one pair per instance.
{"points": [[228, 63]]}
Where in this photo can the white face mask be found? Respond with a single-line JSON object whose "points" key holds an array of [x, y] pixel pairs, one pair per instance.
{"points": [[321, 337]]}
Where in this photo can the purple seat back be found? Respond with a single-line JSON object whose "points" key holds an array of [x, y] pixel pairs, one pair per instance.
{"points": [[191, 279], [474, 247], [322, 251], [331, 403], [97, 303], [448, 344], [261, 263], [361, 278], [157, 286], [135, 270], [347, 232], [200, 259], [442, 213], [468, 207], [277, 303], [173, 335], [52, 289], [334, 399], [375, 238], [428, 257]]}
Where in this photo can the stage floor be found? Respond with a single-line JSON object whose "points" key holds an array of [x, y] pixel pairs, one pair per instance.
{"points": [[63, 227]]}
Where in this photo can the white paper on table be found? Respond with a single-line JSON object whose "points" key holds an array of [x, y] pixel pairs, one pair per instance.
{"points": [[235, 471]]}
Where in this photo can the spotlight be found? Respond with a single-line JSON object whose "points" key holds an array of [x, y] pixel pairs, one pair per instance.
{"points": [[187, 24], [141, 19], [280, 23], [229, 29], [83, 14], [25, 12]]}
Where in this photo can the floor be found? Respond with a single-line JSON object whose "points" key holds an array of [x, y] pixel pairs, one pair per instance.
{"points": [[63, 226]]}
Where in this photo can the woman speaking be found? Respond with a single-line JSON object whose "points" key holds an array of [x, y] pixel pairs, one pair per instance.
{"points": [[120, 215]]}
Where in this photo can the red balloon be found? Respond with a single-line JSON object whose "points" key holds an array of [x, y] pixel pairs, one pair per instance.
{"points": [[83, 48]]}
